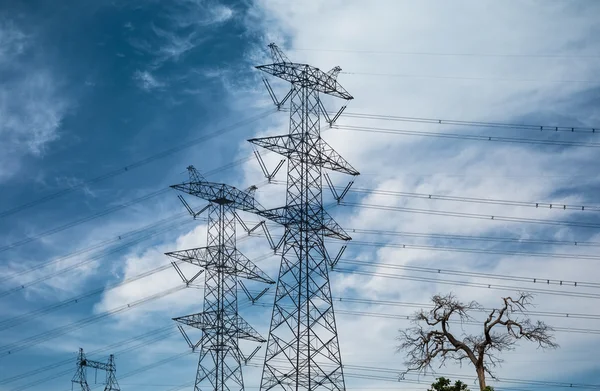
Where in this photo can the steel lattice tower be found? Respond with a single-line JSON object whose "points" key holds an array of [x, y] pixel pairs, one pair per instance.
{"points": [[303, 351], [219, 366], [109, 367]]}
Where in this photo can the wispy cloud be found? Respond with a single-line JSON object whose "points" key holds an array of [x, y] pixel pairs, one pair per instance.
{"points": [[31, 105], [201, 13], [12, 41], [183, 29], [173, 45], [412, 164], [147, 81]]}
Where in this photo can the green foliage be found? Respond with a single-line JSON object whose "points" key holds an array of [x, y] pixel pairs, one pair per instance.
{"points": [[488, 388], [443, 384]]}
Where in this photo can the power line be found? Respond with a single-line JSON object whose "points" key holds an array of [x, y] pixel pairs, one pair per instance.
{"points": [[450, 54], [476, 238], [43, 337], [470, 284], [474, 250], [12, 348], [389, 303], [114, 209], [474, 215], [451, 77], [83, 220], [474, 137], [472, 323], [137, 164], [464, 199], [104, 243], [101, 255], [535, 280], [152, 333], [479, 124], [491, 201], [144, 343], [156, 334], [396, 378], [20, 319], [99, 245]]}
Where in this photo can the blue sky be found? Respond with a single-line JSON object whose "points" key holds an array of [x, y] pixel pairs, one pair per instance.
{"points": [[88, 88]]}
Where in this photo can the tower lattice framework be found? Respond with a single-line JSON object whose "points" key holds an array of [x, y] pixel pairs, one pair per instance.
{"points": [[220, 362], [303, 351], [109, 367]]}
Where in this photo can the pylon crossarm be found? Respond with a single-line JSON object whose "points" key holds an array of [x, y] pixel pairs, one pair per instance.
{"points": [[307, 76], [247, 269], [95, 364], [195, 256], [206, 321], [322, 155], [220, 193]]}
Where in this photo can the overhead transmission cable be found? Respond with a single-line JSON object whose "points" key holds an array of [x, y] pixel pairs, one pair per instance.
{"points": [[409, 246], [114, 209], [45, 336], [20, 319], [501, 239], [69, 371], [478, 124], [137, 164], [473, 215], [450, 54], [491, 201], [83, 220], [109, 348], [116, 239], [538, 280], [469, 78], [465, 199], [74, 266], [26, 317], [389, 303], [463, 273], [396, 372], [470, 284], [475, 137], [405, 317], [157, 335]]}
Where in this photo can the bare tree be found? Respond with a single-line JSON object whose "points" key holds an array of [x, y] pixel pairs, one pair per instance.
{"points": [[502, 329]]}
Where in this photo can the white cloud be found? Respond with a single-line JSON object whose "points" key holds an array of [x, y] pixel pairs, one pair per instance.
{"points": [[412, 164], [200, 13], [221, 14], [31, 105], [147, 81], [484, 170], [187, 26], [12, 41]]}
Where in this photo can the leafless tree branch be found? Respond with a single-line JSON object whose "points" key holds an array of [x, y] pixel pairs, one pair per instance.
{"points": [[502, 329]]}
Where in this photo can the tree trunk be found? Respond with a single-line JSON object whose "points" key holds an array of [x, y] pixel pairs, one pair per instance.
{"points": [[481, 377]]}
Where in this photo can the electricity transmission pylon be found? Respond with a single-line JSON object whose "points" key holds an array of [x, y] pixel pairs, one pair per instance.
{"points": [[303, 351], [220, 363], [109, 367]]}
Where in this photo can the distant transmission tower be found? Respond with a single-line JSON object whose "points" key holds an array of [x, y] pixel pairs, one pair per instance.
{"points": [[303, 351], [109, 367], [219, 366]]}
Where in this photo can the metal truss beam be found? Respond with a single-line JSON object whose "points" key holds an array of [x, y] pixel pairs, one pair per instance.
{"points": [[303, 351], [219, 365]]}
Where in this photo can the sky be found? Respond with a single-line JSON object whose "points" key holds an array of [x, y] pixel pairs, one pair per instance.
{"points": [[104, 104]]}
